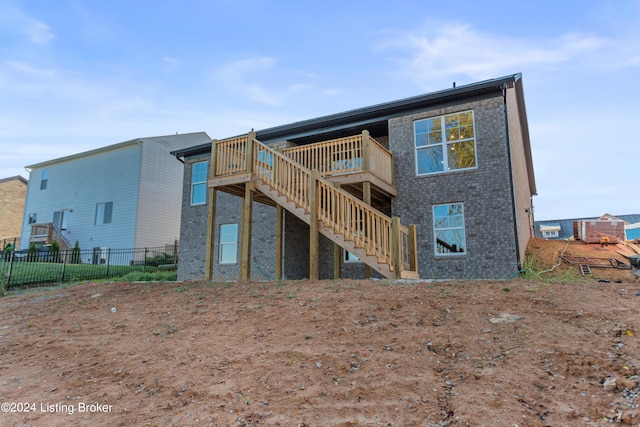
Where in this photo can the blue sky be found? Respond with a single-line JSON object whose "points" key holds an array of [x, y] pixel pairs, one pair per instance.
{"points": [[77, 75]]}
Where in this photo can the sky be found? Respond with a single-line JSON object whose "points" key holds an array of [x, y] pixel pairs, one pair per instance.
{"points": [[76, 75]]}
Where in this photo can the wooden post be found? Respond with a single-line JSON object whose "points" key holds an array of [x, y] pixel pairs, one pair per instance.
{"points": [[396, 247], [279, 236], [337, 250], [245, 244], [413, 248], [365, 151], [211, 215], [313, 226], [249, 154], [366, 197], [393, 170]]}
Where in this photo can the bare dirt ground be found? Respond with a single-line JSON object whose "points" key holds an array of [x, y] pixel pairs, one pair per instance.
{"points": [[563, 351]]}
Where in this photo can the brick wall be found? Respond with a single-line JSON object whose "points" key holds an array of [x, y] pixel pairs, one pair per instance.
{"points": [[485, 192], [13, 193]]}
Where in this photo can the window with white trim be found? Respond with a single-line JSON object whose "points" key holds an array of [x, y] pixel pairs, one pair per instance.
{"points": [[228, 243], [199, 183], [104, 213], [33, 218], [445, 143], [448, 229]]}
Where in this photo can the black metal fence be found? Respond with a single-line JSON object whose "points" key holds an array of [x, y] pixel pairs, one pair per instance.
{"points": [[47, 265]]}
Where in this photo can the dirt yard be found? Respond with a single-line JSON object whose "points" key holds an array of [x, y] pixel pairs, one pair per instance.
{"points": [[562, 351]]}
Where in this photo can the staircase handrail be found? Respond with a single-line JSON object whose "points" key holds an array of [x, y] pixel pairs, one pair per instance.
{"points": [[357, 221]]}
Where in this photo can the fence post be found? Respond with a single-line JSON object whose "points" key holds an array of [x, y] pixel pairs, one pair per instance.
{"points": [[13, 254], [108, 260], [144, 263], [175, 253], [64, 264]]}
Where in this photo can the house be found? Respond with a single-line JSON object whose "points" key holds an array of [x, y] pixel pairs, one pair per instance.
{"points": [[13, 191], [125, 195], [436, 186], [622, 226]]}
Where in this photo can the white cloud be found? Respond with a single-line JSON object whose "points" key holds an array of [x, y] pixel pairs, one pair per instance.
{"points": [[455, 50], [19, 22], [242, 76], [39, 32]]}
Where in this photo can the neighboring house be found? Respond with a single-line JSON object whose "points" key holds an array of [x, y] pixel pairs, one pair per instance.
{"points": [[125, 195], [437, 186], [561, 229], [13, 191]]}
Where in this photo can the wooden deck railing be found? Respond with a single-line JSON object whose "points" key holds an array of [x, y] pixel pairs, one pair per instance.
{"points": [[231, 156], [290, 174], [358, 153], [374, 232], [47, 233]]}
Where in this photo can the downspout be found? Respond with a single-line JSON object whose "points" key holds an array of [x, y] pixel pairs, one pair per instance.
{"points": [[513, 196]]}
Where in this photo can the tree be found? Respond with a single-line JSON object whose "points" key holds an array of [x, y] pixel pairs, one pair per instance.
{"points": [[75, 254]]}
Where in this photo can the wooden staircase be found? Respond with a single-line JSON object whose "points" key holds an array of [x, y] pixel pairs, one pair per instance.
{"points": [[376, 239]]}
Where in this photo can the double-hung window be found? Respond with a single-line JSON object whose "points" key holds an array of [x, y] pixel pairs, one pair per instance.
{"points": [[104, 212], [199, 183], [44, 179], [228, 243], [445, 143], [448, 229]]}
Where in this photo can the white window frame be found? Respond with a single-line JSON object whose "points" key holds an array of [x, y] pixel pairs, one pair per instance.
{"points": [[102, 209], [44, 179], [444, 145], [198, 181], [438, 229], [228, 246]]}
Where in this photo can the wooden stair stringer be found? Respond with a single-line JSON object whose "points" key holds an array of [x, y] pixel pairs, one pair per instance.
{"points": [[371, 260]]}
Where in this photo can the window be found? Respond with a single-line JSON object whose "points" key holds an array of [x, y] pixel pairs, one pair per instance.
{"points": [[349, 257], [448, 229], [33, 218], [547, 234], [445, 143], [104, 212], [228, 243], [44, 179], [199, 183]]}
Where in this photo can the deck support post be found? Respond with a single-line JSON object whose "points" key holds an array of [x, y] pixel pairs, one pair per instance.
{"points": [[279, 235], [413, 248], [245, 241], [337, 250], [366, 197], [396, 247], [247, 212], [211, 215], [313, 226]]}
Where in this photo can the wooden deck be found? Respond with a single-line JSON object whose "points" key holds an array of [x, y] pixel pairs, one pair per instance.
{"points": [[334, 186]]}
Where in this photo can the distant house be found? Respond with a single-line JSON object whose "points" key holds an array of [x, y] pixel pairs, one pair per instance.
{"points": [[125, 195], [560, 229], [13, 191], [437, 186]]}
